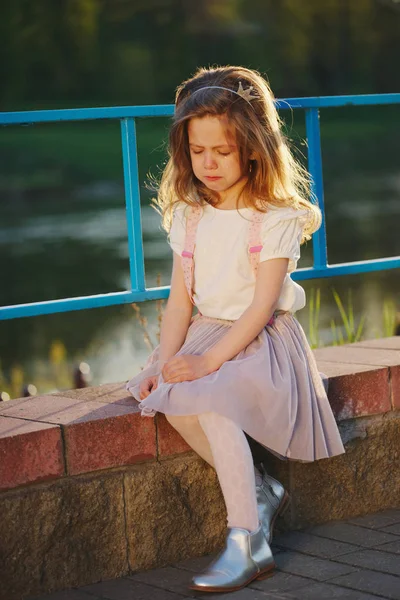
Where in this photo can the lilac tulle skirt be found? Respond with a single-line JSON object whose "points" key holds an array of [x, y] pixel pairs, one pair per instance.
{"points": [[272, 389]]}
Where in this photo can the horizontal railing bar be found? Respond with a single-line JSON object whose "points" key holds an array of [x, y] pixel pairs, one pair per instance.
{"points": [[85, 114], [102, 300], [337, 101], [48, 307], [351, 268], [167, 110]]}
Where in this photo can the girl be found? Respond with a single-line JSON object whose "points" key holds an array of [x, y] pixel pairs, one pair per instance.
{"points": [[238, 204]]}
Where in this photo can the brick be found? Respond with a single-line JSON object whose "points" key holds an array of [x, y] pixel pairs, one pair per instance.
{"points": [[356, 390], [119, 439], [358, 355], [338, 369], [94, 392], [309, 566], [168, 578], [395, 381], [169, 441], [374, 560], [280, 582], [108, 393], [29, 452], [72, 594], [371, 581], [390, 547], [377, 520], [196, 564], [61, 409], [127, 589], [395, 528], [345, 532], [389, 343], [312, 544], [98, 435], [326, 591]]}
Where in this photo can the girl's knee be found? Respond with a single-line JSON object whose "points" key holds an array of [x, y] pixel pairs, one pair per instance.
{"points": [[183, 421]]}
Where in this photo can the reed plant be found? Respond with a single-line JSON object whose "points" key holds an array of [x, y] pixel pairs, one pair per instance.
{"points": [[353, 331]]}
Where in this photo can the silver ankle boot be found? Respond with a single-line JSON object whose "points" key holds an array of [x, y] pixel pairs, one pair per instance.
{"points": [[246, 556], [272, 500]]}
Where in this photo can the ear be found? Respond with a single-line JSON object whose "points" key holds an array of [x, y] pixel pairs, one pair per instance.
{"points": [[253, 156]]}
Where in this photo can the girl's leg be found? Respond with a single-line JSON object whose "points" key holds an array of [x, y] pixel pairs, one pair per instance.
{"points": [[189, 428], [234, 465]]}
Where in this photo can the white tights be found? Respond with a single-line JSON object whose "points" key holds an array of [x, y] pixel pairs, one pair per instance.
{"points": [[220, 442]]}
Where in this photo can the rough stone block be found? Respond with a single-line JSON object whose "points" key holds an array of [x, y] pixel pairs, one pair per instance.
{"points": [[356, 390], [395, 379], [175, 510], [169, 441], [365, 479], [65, 534], [29, 452]]}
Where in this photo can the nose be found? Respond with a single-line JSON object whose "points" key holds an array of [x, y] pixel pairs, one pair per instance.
{"points": [[209, 161]]}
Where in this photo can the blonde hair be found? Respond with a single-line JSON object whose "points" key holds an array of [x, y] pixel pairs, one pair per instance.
{"points": [[273, 175]]}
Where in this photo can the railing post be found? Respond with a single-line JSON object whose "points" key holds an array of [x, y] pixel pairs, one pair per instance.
{"points": [[132, 200], [317, 186]]}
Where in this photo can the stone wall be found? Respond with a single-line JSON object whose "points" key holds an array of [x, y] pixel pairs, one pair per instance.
{"points": [[90, 490]]}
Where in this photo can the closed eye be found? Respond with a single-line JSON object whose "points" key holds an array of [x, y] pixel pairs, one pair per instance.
{"points": [[220, 153]]}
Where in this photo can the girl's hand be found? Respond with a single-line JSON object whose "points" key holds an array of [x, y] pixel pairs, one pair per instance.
{"points": [[147, 386], [186, 367]]}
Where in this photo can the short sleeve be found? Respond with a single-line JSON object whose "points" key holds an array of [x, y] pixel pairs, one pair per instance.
{"points": [[176, 238], [281, 235]]}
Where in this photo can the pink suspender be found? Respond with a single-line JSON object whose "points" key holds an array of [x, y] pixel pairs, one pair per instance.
{"points": [[255, 245], [192, 221]]}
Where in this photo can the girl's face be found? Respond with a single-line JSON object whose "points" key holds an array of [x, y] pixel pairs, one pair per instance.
{"points": [[214, 153]]}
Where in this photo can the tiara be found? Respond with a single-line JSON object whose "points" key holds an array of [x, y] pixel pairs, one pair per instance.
{"points": [[245, 94]]}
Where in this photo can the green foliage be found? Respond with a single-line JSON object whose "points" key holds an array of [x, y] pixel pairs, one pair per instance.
{"points": [[347, 330], [136, 52], [353, 333], [314, 304], [389, 317]]}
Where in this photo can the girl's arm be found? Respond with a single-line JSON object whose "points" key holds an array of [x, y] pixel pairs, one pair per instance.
{"points": [[177, 315], [270, 278]]}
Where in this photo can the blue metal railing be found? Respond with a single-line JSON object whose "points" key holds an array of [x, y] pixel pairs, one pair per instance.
{"points": [[127, 116]]}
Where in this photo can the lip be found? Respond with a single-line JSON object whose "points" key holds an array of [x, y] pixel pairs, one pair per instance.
{"points": [[212, 178]]}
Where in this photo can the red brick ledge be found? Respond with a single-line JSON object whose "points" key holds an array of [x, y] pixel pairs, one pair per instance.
{"points": [[80, 431]]}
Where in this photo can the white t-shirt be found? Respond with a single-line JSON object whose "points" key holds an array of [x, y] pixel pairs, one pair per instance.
{"points": [[224, 281]]}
